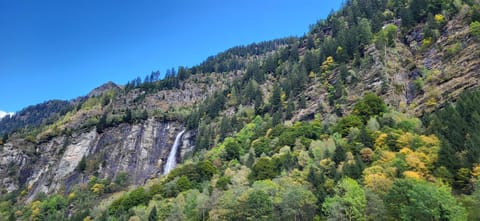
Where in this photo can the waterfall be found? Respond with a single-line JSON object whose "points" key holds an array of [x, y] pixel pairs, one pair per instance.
{"points": [[172, 159]]}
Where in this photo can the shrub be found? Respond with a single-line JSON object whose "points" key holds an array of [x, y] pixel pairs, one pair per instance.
{"points": [[475, 29]]}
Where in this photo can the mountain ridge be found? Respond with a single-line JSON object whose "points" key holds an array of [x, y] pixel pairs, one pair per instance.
{"points": [[307, 113]]}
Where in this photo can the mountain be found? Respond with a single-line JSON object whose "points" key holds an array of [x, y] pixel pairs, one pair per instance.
{"points": [[372, 115]]}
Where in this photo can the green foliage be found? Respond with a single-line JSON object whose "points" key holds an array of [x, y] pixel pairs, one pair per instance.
{"points": [[153, 214], [297, 203], [262, 146], [259, 206], [271, 170], [410, 199], [370, 105], [121, 179], [454, 49], [475, 29], [348, 203], [183, 183], [232, 149], [345, 123], [451, 124], [263, 169], [124, 203], [102, 123], [196, 173], [386, 37], [82, 165], [223, 182], [35, 116]]}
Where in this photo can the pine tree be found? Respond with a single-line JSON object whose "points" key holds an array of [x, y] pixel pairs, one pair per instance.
{"points": [[102, 123], [128, 117], [338, 155], [275, 99], [153, 214], [82, 165]]}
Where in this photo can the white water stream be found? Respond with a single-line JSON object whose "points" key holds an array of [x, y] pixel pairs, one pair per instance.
{"points": [[172, 157]]}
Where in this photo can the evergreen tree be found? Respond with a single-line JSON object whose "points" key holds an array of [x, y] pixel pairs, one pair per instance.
{"points": [[338, 155], [102, 123], [82, 165], [225, 128], [153, 214], [275, 99], [232, 149], [128, 117], [290, 110]]}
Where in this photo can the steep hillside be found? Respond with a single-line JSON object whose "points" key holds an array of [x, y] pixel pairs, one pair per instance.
{"points": [[323, 126]]}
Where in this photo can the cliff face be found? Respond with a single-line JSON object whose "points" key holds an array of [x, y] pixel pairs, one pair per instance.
{"points": [[138, 150], [411, 77]]}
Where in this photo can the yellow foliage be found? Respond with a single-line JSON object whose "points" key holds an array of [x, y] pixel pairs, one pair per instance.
{"points": [[339, 50], [414, 160], [18, 213], [432, 102], [349, 157], [36, 204], [386, 156], [405, 151], [430, 140], [328, 63], [98, 188], [378, 182], [426, 42], [439, 18], [35, 210], [391, 171], [405, 139], [476, 170], [327, 163], [35, 214], [311, 74], [372, 170], [87, 219], [71, 196], [329, 184], [283, 98], [412, 175], [380, 142]]}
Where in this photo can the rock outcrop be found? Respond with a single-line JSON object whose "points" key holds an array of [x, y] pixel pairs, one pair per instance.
{"points": [[139, 150]]}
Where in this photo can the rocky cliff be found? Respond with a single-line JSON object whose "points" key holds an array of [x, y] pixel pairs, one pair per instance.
{"points": [[138, 150]]}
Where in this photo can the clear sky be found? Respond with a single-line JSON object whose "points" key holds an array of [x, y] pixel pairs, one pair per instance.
{"points": [[61, 49]]}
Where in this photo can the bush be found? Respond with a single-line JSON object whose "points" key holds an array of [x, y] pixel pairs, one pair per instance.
{"points": [[454, 49], [223, 182], [263, 169], [232, 149], [134, 198], [370, 105], [343, 126], [475, 29], [196, 173]]}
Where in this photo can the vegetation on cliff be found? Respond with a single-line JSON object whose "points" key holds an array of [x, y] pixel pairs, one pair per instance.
{"points": [[289, 130]]}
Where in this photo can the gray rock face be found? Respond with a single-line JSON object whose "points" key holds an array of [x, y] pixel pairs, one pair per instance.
{"points": [[140, 150]]}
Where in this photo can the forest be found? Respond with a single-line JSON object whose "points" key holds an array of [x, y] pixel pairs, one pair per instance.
{"points": [[350, 160]]}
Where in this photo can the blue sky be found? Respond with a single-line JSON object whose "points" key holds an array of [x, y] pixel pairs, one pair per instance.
{"points": [[57, 49]]}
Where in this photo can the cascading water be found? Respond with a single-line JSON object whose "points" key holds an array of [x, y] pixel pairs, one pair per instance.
{"points": [[172, 159]]}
